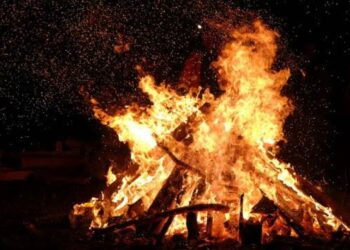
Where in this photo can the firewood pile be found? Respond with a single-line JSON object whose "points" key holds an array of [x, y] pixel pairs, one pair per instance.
{"points": [[203, 167], [277, 224]]}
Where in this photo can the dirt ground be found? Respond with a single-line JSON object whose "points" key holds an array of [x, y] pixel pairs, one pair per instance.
{"points": [[34, 215]]}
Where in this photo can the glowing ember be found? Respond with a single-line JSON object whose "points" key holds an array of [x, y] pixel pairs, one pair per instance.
{"points": [[228, 141]]}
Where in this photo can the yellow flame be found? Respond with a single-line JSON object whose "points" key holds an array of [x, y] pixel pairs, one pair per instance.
{"points": [[232, 142], [110, 177]]}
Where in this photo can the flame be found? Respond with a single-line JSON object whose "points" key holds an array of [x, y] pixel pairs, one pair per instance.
{"points": [[230, 140], [110, 177]]}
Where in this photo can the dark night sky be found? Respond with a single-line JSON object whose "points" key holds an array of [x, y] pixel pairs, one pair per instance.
{"points": [[49, 49]]}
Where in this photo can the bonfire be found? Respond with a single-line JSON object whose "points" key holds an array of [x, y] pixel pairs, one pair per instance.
{"points": [[205, 165]]}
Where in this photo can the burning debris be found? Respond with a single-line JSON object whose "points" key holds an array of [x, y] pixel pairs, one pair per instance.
{"points": [[206, 165]]}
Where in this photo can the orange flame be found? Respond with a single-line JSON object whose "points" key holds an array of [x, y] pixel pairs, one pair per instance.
{"points": [[232, 142]]}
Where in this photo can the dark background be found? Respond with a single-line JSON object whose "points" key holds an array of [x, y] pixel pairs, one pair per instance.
{"points": [[50, 49]]}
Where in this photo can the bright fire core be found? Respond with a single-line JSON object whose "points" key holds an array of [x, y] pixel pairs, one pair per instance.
{"points": [[229, 141]]}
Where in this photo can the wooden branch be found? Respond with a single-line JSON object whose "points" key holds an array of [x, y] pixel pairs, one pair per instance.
{"points": [[166, 199], [165, 228], [169, 213], [179, 162]]}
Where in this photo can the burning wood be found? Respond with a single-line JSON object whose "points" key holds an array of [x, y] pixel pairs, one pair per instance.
{"points": [[169, 213], [164, 229], [179, 162], [193, 150], [192, 226], [165, 199]]}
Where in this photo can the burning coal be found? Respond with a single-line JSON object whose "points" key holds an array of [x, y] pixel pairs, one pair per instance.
{"points": [[196, 148]]}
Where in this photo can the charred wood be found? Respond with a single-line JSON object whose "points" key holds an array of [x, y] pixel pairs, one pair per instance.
{"points": [[209, 226], [192, 226], [264, 206], [291, 218], [298, 229], [166, 214], [165, 228], [165, 200], [251, 233]]}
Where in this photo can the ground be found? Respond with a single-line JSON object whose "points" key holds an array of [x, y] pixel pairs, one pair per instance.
{"points": [[34, 215]]}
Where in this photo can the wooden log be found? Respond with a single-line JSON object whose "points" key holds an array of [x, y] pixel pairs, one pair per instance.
{"points": [[324, 197], [264, 206], [250, 233], [166, 214], [306, 211], [241, 200], [165, 228], [170, 219], [165, 200], [287, 199], [297, 228], [241, 219], [168, 192], [192, 227], [292, 218], [209, 226]]}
